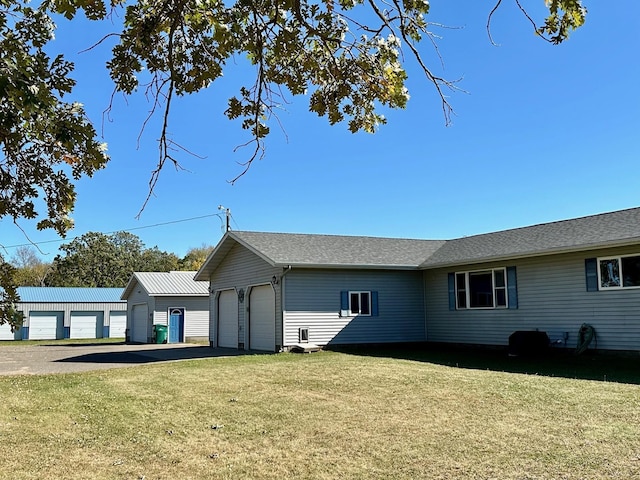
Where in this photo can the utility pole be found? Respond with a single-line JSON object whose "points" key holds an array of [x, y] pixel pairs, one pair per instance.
{"points": [[228, 215]]}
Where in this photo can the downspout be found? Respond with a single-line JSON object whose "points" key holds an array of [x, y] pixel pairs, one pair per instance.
{"points": [[286, 270]]}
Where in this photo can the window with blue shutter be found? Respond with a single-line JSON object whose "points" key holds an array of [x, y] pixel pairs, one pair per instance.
{"points": [[612, 273], [362, 303], [483, 289]]}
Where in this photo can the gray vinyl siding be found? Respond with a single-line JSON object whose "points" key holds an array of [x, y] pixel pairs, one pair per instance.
{"points": [[552, 297], [242, 269], [196, 313], [313, 301]]}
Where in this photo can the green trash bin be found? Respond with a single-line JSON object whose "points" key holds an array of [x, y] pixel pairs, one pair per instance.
{"points": [[161, 333]]}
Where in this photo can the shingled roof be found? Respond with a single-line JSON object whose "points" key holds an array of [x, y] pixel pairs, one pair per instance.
{"points": [[326, 251], [595, 231], [334, 251]]}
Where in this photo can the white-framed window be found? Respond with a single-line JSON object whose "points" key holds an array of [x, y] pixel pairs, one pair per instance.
{"points": [[481, 289], [619, 272], [360, 303]]}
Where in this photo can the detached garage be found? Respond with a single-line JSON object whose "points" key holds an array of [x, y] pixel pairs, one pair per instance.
{"points": [[173, 299], [68, 312]]}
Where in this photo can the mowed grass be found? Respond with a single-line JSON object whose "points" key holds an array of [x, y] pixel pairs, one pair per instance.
{"points": [[325, 415]]}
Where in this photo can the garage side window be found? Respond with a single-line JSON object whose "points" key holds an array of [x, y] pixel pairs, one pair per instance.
{"points": [[358, 303]]}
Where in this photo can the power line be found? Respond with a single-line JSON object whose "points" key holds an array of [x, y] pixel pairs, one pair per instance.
{"points": [[116, 231]]}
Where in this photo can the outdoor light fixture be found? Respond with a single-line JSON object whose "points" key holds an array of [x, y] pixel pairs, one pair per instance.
{"points": [[241, 295]]}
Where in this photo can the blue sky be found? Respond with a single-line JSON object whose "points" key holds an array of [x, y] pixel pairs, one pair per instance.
{"points": [[544, 133]]}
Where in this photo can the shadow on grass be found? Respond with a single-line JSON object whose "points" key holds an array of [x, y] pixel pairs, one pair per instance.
{"points": [[592, 365], [138, 357]]}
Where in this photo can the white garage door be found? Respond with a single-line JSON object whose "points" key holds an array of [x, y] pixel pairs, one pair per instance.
{"points": [[262, 322], [5, 332], [140, 323], [117, 324], [43, 326], [83, 325], [228, 319]]}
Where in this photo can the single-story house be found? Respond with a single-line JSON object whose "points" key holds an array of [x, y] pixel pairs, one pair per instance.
{"points": [[173, 299], [68, 312], [271, 291]]}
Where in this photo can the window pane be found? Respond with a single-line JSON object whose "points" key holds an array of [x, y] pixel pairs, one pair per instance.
{"points": [[364, 303], [609, 273], [631, 272], [499, 278], [501, 297], [462, 299], [481, 289], [460, 281], [355, 303]]}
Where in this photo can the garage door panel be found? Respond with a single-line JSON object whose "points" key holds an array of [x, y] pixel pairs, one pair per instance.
{"points": [[262, 324], [140, 323], [6, 333], [44, 326], [228, 319], [117, 324], [84, 324]]}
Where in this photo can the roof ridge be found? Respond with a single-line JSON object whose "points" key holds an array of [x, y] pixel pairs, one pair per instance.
{"points": [[553, 222], [334, 235]]}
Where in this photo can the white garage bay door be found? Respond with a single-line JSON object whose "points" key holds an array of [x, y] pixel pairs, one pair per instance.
{"points": [[262, 321], [228, 319], [6, 333], [139, 323], [117, 324], [84, 325], [43, 326]]}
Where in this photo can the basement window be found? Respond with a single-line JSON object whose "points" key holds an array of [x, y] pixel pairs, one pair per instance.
{"points": [[303, 334]]}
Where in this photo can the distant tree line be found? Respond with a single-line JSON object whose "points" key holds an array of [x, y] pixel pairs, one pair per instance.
{"points": [[99, 260]]}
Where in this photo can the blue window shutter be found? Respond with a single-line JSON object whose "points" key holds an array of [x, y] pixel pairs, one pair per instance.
{"points": [[344, 300], [512, 287], [374, 304], [452, 291], [591, 272]]}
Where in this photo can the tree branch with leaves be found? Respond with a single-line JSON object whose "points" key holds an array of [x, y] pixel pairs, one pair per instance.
{"points": [[347, 57]]}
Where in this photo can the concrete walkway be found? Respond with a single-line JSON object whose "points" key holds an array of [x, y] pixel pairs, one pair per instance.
{"points": [[67, 358]]}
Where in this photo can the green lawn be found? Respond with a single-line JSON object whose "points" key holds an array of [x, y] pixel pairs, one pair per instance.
{"points": [[327, 415]]}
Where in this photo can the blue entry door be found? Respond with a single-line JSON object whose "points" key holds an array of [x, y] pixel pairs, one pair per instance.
{"points": [[176, 325]]}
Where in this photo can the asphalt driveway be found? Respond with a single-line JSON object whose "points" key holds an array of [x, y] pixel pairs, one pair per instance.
{"points": [[67, 358]]}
